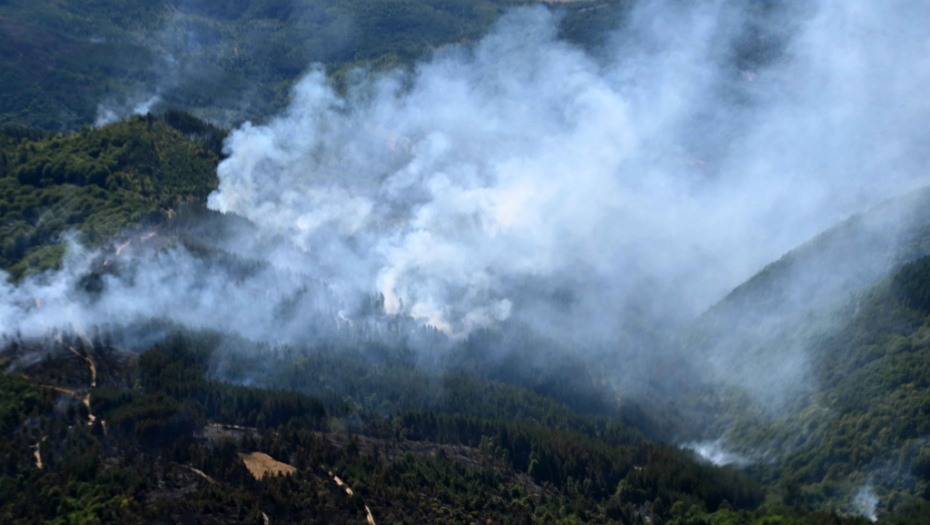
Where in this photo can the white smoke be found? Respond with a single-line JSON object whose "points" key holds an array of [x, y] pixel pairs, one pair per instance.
{"points": [[174, 286], [141, 99], [866, 503], [714, 452], [526, 158], [525, 179], [109, 112]]}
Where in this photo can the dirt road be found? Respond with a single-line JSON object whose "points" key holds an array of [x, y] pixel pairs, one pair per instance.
{"points": [[212, 481], [93, 384], [93, 376], [39, 455], [339, 482], [90, 362], [200, 473]]}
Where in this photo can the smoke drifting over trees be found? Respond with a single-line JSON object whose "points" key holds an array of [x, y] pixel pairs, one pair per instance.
{"points": [[709, 227], [500, 176], [525, 180]]}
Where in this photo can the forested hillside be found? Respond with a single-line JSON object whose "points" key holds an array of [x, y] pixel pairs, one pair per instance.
{"points": [[97, 183], [840, 326], [859, 422], [802, 397], [159, 440], [224, 61]]}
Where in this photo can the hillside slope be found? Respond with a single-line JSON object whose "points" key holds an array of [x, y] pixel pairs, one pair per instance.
{"points": [[98, 183], [225, 61], [819, 364], [168, 443]]}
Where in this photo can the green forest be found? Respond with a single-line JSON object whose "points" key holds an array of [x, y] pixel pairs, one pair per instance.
{"points": [[166, 442], [96, 183], [172, 425], [213, 428], [224, 61]]}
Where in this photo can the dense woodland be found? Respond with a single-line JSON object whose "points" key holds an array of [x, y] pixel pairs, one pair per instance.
{"points": [[227, 61], [487, 439], [231, 61], [463, 439], [158, 451], [93, 184], [861, 414]]}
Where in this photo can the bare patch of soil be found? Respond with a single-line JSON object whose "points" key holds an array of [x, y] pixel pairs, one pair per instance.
{"points": [[261, 464]]}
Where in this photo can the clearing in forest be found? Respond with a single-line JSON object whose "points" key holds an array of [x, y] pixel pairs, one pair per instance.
{"points": [[260, 464]]}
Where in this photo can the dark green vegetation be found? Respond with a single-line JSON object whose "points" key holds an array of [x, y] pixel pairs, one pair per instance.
{"points": [[158, 451], [500, 441], [848, 312], [486, 440], [227, 61], [471, 441], [98, 183]]}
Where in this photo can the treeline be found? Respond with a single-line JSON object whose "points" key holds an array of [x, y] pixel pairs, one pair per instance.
{"points": [[176, 399], [359, 376]]}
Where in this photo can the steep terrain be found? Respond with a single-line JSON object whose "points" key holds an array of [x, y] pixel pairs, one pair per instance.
{"points": [[850, 303], [156, 459], [810, 381], [818, 365]]}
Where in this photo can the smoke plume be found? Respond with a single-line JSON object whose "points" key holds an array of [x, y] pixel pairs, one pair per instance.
{"points": [[716, 453], [525, 167], [525, 180], [866, 502]]}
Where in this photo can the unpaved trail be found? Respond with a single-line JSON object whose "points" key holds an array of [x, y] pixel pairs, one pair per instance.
{"points": [[63, 390], [93, 376], [212, 481], [84, 398], [38, 453], [122, 247], [90, 362], [90, 417], [339, 482], [200, 473]]}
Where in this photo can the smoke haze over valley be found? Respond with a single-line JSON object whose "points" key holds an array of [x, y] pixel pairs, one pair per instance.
{"points": [[606, 204], [526, 179]]}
